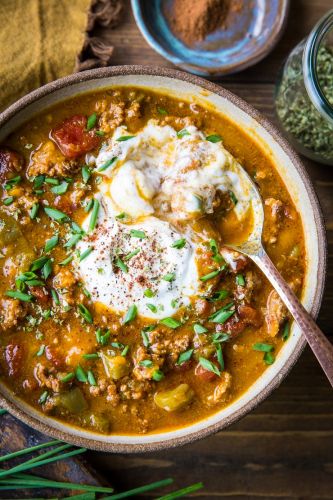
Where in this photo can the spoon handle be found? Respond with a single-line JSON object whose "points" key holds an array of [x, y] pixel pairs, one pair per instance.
{"points": [[319, 343]]}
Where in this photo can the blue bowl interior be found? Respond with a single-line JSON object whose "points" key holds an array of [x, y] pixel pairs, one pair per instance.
{"points": [[245, 35]]}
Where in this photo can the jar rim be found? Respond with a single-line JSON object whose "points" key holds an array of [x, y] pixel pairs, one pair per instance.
{"points": [[310, 73]]}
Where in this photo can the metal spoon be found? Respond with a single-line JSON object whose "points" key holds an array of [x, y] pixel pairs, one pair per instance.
{"points": [[254, 249]]}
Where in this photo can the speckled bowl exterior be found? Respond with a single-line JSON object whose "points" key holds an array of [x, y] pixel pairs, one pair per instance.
{"points": [[293, 173], [248, 36]]}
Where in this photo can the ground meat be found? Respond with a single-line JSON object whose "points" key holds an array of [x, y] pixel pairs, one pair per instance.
{"points": [[252, 284], [46, 379], [22, 204], [133, 111], [180, 122], [14, 359], [10, 164], [203, 308], [134, 389], [112, 394], [48, 160], [111, 114], [11, 312], [169, 348], [64, 279], [276, 313]]}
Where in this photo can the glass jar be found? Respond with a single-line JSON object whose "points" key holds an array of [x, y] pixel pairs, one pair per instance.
{"points": [[304, 94]]}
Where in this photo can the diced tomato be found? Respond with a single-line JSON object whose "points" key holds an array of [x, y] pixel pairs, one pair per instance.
{"points": [[41, 294], [73, 139], [14, 357], [204, 374], [53, 355], [10, 163]]}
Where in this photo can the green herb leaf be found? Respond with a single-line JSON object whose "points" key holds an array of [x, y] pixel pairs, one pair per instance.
{"points": [[169, 277], [125, 138], [179, 244], [131, 314], [107, 164], [184, 356], [219, 295], [16, 294], [286, 331], [89, 205], [199, 329], [68, 377], [208, 365], [8, 201], [132, 254], [91, 121], [149, 293], [121, 216], [12, 182], [146, 363], [152, 307], [233, 197], [51, 243], [102, 338], [91, 378], [240, 280], [145, 338], [170, 322], [125, 350], [162, 111], [85, 313], [138, 234], [52, 181], [269, 358], [263, 347], [73, 240], [38, 181], [93, 355], [40, 351], [211, 275], [86, 173], [158, 375], [61, 189], [214, 138], [222, 314], [94, 216], [47, 269], [55, 297], [100, 133], [219, 355], [66, 261], [38, 263], [55, 214], [220, 337], [81, 374], [43, 397]]}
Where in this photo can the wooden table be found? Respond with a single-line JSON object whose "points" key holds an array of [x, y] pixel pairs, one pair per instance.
{"points": [[284, 449]]}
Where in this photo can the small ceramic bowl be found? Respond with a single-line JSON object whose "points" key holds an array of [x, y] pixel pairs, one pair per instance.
{"points": [[248, 36], [183, 85]]}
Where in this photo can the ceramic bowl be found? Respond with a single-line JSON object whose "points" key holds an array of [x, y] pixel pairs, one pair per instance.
{"points": [[291, 170], [248, 37]]}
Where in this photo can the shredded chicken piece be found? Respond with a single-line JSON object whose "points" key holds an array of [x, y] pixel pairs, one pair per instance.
{"points": [[275, 313]]}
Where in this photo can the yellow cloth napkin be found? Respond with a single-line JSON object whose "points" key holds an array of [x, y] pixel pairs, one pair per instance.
{"points": [[39, 42]]}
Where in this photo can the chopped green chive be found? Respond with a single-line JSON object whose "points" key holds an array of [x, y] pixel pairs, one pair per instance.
{"points": [[51, 243], [100, 133], [152, 308], [184, 356], [269, 358], [220, 337], [170, 322], [158, 375], [91, 378], [85, 253], [208, 365], [214, 138], [73, 240], [38, 263], [145, 338], [8, 201], [263, 347], [162, 111], [132, 254], [40, 351], [43, 397], [47, 269], [119, 263], [55, 214], [38, 181], [240, 280], [199, 329], [149, 293], [81, 374], [286, 331], [222, 314], [61, 189], [12, 182], [125, 350], [179, 244], [219, 295], [89, 205], [85, 313], [219, 355], [76, 228], [94, 215], [86, 173], [169, 277], [131, 314], [211, 275], [182, 133], [68, 377], [121, 216], [102, 338], [233, 197], [107, 164], [34, 211], [16, 294], [55, 297], [147, 363], [91, 121], [66, 261], [125, 138], [138, 234], [52, 181], [93, 355]]}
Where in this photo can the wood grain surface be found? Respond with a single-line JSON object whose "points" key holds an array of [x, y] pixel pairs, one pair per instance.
{"points": [[284, 449]]}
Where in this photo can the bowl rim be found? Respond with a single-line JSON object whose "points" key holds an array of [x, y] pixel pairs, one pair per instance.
{"points": [[260, 53], [128, 70]]}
